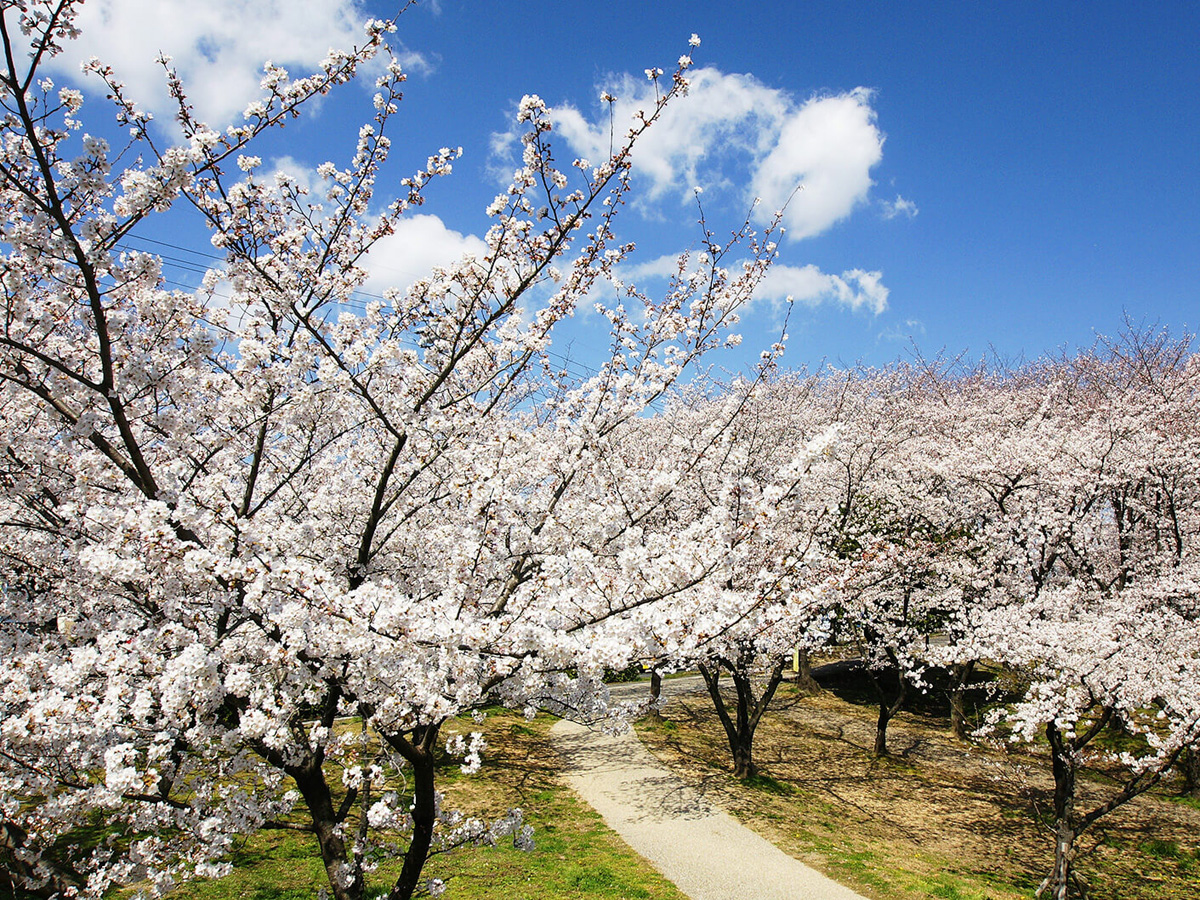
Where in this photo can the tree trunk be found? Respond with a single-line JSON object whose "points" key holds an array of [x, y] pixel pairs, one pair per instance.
{"points": [[881, 723], [655, 691], [420, 755], [1062, 760], [1058, 884], [1189, 768], [890, 702], [55, 880], [740, 728], [345, 880], [1068, 825], [958, 698], [804, 677], [743, 756], [741, 750]]}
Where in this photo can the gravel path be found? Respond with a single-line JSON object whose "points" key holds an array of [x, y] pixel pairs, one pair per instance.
{"points": [[703, 850]]}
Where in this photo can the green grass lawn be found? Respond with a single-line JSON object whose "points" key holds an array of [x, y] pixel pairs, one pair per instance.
{"points": [[575, 855], [940, 822]]}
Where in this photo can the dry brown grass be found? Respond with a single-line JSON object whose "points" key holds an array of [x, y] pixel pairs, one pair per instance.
{"points": [[939, 819]]}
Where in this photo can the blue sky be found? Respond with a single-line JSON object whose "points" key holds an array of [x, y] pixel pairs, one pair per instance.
{"points": [[1011, 175]]}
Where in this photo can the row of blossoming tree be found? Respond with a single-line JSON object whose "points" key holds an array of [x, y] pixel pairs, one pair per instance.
{"points": [[1041, 520], [230, 528], [229, 525]]}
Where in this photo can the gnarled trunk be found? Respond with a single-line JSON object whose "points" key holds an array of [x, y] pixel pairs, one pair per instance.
{"points": [[960, 678], [419, 752], [1059, 882], [748, 709], [892, 690]]}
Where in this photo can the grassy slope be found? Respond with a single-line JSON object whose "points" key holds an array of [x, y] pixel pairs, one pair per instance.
{"points": [[940, 820], [576, 856]]}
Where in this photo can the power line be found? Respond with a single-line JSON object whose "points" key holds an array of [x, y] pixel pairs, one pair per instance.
{"points": [[354, 302]]}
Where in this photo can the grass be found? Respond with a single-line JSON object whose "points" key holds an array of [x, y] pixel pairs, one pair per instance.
{"points": [[576, 856], [271, 865], [938, 820], [760, 782]]}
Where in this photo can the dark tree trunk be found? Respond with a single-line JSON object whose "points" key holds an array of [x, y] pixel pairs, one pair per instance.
{"points": [[748, 710], [804, 677], [961, 675], [655, 691], [1068, 825], [17, 875], [344, 874], [892, 689], [743, 757], [1062, 760], [345, 880], [419, 752], [1189, 768], [1059, 883]]}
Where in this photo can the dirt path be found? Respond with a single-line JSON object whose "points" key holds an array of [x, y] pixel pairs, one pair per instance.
{"points": [[703, 850]]}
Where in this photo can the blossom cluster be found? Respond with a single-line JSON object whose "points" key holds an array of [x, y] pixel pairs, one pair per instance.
{"points": [[258, 554]]}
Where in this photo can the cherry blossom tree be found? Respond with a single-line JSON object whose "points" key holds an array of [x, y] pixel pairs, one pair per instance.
{"points": [[227, 526], [896, 530], [759, 442], [1094, 588], [1043, 519], [861, 543]]}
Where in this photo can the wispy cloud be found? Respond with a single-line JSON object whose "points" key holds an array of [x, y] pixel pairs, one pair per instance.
{"points": [[854, 289], [901, 333], [662, 267], [899, 207], [217, 46], [732, 132]]}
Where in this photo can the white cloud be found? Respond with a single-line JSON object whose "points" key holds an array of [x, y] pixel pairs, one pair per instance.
{"points": [[721, 113], [732, 129], [419, 243], [827, 147], [217, 46], [661, 267], [899, 207], [902, 333], [303, 176], [854, 289]]}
